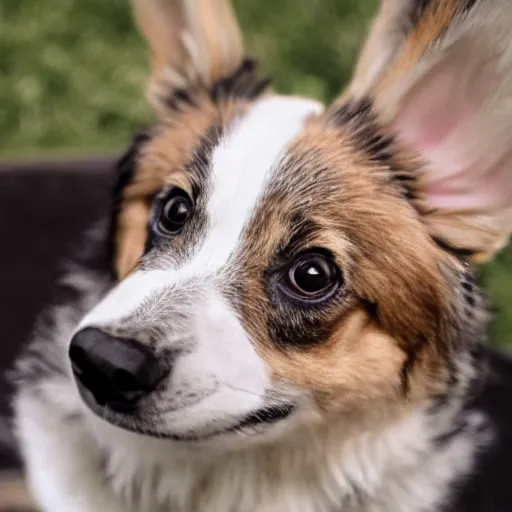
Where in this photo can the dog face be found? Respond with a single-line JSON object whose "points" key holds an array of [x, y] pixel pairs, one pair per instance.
{"points": [[282, 265]]}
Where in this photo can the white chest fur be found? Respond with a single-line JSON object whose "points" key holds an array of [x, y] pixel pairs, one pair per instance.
{"points": [[391, 469]]}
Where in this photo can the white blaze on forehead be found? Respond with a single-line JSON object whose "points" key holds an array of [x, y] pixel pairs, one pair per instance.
{"points": [[127, 296], [239, 170], [241, 165]]}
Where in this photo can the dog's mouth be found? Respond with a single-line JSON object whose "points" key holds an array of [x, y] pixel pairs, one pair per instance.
{"points": [[265, 416], [260, 418], [135, 420]]}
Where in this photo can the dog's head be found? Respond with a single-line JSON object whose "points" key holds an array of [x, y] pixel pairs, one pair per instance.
{"points": [[280, 264]]}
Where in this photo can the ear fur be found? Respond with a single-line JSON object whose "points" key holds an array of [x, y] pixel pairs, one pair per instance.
{"points": [[192, 42], [446, 97], [387, 33]]}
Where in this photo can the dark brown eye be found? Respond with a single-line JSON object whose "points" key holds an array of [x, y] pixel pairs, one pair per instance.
{"points": [[176, 211], [312, 277]]}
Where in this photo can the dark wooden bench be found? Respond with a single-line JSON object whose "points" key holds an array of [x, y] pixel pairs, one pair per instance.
{"points": [[44, 206]]}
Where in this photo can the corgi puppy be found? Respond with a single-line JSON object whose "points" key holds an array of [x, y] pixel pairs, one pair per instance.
{"points": [[281, 314]]}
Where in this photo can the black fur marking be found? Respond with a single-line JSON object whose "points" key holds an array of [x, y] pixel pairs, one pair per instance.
{"points": [[455, 430], [126, 164], [459, 252], [471, 335], [372, 308], [299, 330], [200, 164], [468, 286], [474, 300], [487, 487], [243, 84], [406, 369], [125, 171], [470, 299], [152, 238], [466, 5], [180, 99], [198, 169], [469, 313], [452, 386], [360, 120], [419, 8]]}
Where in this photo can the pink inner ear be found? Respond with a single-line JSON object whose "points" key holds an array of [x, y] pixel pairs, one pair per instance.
{"points": [[474, 193], [441, 118], [428, 114]]}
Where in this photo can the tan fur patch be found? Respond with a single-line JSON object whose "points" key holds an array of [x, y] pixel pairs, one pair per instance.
{"points": [[195, 44], [392, 320], [358, 364], [162, 161], [386, 258]]}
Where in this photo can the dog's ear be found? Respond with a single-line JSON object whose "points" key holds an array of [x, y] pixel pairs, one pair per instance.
{"points": [[191, 42], [447, 99], [386, 35]]}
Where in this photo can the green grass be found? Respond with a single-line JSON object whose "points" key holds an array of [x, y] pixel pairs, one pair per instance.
{"points": [[72, 74]]}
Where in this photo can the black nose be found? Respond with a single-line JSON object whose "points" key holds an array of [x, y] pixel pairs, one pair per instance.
{"points": [[113, 371]]}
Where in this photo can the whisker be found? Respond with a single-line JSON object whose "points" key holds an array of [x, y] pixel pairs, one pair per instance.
{"points": [[241, 390]]}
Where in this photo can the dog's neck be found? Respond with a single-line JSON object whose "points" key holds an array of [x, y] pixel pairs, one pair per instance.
{"points": [[402, 465]]}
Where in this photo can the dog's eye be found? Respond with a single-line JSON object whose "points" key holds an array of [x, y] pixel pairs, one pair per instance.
{"points": [[312, 277], [176, 211]]}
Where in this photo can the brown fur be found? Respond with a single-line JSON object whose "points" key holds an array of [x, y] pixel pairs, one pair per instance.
{"points": [[163, 162], [431, 26], [387, 260], [470, 35], [398, 24], [162, 156], [195, 46], [356, 189]]}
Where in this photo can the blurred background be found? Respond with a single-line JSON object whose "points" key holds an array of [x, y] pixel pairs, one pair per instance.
{"points": [[72, 76]]}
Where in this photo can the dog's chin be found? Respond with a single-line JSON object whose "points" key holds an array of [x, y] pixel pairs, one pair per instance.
{"points": [[249, 426]]}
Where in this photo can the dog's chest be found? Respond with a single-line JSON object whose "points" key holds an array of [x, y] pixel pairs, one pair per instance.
{"points": [[177, 493], [371, 475], [221, 489]]}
